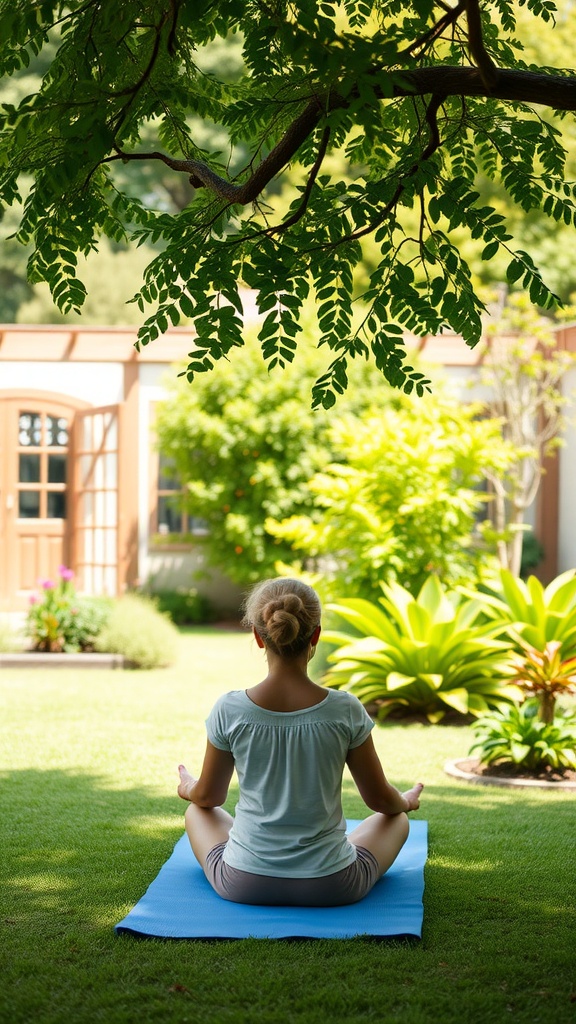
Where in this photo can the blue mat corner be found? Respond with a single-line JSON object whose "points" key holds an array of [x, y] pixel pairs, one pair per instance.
{"points": [[180, 904]]}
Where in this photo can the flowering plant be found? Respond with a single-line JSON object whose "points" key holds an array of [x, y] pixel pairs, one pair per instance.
{"points": [[60, 621]]}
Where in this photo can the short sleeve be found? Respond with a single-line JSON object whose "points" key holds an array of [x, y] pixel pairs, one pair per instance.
{"points": [[216, 727], [360, 722]]}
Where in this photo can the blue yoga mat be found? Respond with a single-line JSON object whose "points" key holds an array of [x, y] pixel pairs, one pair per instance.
{"points": [[180, 904]]}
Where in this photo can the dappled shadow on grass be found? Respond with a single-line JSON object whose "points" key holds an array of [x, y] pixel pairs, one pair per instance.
{"points": [[75, 846]]}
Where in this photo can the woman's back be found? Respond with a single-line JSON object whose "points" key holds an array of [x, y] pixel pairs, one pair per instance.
{"points": [[289, 765]]}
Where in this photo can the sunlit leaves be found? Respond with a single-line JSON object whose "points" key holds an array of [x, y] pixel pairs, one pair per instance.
{"points": [[373, 162]]}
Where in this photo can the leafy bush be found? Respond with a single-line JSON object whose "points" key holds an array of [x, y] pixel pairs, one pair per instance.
{"points": [[10, 641], [401, 497], [138, 631], [183, 605], [516, 735], [426, 655], [62, 621]]}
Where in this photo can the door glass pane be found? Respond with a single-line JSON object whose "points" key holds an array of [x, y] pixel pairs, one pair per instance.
{"points": [[29, 429], [29, 504], [56, 431], [56, 505], [56, 468], [28, 468]]}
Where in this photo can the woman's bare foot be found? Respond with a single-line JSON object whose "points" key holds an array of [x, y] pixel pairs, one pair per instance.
{"points": [[187, 782], [413, 796]]}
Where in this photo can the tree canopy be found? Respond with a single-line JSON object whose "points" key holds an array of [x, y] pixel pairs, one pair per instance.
{"points": [[382, 112]]}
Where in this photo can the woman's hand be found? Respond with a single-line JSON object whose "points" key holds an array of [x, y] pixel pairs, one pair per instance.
{"points": [[187, 783], [412, 796]]}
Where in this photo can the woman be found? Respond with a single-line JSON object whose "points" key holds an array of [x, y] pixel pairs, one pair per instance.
{"points": [[289, 740]]}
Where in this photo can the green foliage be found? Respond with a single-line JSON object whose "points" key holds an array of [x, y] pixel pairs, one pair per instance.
{"points": [[425, 655], [138, 631], [244, 446], [62, 621], [183, 605], [517, 736], [545, 674], [536, 613], [9, 639], [387, 87], [401, 497]]}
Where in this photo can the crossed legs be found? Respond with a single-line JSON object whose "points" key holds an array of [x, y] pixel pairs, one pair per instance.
{"points": [[383, 835]]}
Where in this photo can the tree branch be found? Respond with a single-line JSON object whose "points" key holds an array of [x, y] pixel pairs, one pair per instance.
{"points": [[486, 66], [556, 91]]}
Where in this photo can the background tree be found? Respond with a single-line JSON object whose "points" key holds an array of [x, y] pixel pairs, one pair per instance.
{"points": [[244, 446], [417, 97], [524, 371], [402, 498]]}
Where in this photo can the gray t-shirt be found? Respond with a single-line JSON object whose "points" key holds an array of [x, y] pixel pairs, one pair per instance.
{"points": [[289, 820]]}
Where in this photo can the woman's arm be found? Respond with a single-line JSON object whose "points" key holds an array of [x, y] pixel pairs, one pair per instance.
{"points": [[377, 793], [211, 789]]}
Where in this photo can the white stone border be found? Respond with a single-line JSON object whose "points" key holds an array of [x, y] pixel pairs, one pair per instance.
{"points": [[452, 768]]}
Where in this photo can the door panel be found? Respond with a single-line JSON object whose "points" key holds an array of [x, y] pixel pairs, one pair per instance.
{"points": [[96, 500], [34, 470]]}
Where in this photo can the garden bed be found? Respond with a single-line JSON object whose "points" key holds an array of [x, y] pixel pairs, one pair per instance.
{"points": [[43, 659], [505, 774]]}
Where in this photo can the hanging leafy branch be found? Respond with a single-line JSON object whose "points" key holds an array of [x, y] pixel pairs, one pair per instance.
{"points": [[417, 97]]}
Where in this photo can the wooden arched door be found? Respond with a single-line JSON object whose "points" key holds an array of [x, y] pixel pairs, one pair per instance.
{"points": [[35, 513]]}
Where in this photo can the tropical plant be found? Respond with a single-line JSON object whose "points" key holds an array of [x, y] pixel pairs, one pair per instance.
{"points": [[414, 99], [60, 620], [544, 674], [537, 614], [516, 735], [424, 655]]}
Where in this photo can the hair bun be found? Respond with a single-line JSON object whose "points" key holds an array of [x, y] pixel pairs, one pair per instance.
{"points": [[284, 612], [282, 620]]}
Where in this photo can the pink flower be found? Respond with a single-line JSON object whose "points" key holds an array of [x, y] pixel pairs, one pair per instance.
{"points": [[46, 584], [33, 599], [65, 573]]}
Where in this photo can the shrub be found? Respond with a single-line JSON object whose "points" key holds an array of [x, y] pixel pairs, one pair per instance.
{"points": [[10, 641], [401, 497], [516, 735], [183, 605], [138, 631], [62, 621], [426, 655]]}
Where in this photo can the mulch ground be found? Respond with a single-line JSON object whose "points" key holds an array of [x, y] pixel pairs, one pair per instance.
{"points": [[505, 770]]}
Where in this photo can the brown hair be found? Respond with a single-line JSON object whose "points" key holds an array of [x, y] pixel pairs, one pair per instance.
{"points": [[285, 613]]}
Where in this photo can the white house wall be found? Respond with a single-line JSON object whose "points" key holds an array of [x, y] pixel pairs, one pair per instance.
{"points": [[96, 383], [567, 490]]}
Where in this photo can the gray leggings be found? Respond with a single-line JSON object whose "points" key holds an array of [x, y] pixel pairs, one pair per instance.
{"points": [[346, 886]]}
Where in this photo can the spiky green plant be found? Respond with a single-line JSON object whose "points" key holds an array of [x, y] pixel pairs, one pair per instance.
{"points": [[426, 655], [516, 735]]}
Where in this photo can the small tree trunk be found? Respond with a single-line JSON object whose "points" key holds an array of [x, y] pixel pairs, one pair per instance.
{"points": [[546, 709]]}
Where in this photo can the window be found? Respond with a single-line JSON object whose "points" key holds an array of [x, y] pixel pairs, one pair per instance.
{"points": [[170, 521], [42, 465]]}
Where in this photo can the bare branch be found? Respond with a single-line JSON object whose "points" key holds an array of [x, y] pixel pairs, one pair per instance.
{"points": [[486, 66]]}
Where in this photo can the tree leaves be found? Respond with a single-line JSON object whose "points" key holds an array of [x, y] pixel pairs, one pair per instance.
{"points": [[336, 101]]}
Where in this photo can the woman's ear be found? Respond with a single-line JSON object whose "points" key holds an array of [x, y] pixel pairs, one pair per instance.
{"points": [[315, 636], [258, 639]]}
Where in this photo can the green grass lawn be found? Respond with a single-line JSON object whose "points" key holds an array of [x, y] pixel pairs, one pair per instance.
{"points": [[88, 814]]}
